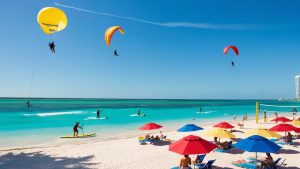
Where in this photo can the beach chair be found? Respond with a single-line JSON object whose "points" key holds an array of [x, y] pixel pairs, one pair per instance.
{"points": [[208, 165], [142, 140], [199, 159], [285, 143]]}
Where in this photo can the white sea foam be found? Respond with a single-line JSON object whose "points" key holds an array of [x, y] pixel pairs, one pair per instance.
{"points": [[55, 113]]}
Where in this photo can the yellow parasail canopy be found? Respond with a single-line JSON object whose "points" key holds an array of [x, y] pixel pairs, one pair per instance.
{"points": [[52, 20], [110, 32]]}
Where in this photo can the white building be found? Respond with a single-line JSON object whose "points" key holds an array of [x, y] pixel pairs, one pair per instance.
{"points": [[297, 82]]}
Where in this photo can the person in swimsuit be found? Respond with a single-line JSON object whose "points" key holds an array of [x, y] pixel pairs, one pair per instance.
{"points": [[267, 162], [139, 113], [75, 129], [185, 162], [98, 114]]}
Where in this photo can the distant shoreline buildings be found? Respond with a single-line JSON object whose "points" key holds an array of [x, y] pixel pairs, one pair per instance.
{"points": [[297, 84]]}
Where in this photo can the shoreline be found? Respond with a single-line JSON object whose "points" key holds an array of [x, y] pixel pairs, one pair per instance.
{"points": [[102, 153]]}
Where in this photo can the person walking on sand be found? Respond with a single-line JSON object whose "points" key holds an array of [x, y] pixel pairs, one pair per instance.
{"points": [[265, 116], [234, 117]]}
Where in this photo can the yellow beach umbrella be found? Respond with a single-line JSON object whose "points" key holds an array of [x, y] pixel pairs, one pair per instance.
{"points": [[296, 122], [263, 132], [220, 133]]}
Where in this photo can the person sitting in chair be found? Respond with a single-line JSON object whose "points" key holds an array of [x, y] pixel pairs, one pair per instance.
{"points": [[267, 162]]}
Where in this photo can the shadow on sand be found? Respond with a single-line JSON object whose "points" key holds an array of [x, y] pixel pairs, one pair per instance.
{"points": [[162, 143], [37, 160], [286, 151]]}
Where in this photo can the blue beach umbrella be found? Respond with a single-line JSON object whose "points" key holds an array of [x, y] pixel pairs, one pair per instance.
{"points": [[257, 144], [189, 127]]}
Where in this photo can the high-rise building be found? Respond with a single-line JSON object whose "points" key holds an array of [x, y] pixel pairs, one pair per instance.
{"points": [[297, 82]]}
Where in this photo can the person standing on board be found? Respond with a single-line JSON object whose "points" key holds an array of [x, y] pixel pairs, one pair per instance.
{"points": [[98, 114], [28, 103]]}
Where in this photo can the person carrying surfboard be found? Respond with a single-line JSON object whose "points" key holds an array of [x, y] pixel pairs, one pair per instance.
{"points": [[75, 129]]}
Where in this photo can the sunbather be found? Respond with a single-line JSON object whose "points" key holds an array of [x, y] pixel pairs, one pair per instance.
{"points": [[267, 162], [157, 138], [224, 145], [289, 137], [185, 162]]}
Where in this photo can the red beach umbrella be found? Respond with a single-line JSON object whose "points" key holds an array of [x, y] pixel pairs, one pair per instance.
{"points": [[224, 125], [283, 128], [150, 126], [297, 130], [281, 119], [192, 145]]}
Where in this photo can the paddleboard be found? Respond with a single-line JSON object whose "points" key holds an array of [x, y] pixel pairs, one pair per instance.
{"points": [[80, 136], [134, 115], [95, 118], [205, 112]]}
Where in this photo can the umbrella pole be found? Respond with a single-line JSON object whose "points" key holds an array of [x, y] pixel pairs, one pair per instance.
{"points": [[256, 158]]}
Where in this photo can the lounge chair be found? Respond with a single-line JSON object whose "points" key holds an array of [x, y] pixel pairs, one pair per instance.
{"points": [[198, 160], [285, 143], [142, 140], [208, 165]]}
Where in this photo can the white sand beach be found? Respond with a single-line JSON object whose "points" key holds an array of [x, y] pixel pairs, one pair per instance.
{"points": [[127, 153]]}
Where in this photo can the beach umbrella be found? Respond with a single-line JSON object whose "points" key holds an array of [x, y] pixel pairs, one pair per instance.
{"points": [[257, 144], [219, 133], [281, 119], [192, 145], [189, 127], [297, 130], [224, 125], [296, 122], [283, 128], [262, 132], [150, 126]]}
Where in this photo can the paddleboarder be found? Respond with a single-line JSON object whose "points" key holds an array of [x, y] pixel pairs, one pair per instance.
{"points": [[98, 114], [28, 103], [75, 129]]}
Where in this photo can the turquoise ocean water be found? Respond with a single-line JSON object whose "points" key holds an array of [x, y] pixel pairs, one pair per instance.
{"points": [[47, 119]]}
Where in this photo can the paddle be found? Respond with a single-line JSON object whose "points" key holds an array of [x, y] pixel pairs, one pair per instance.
{"points": [[82, 129]]}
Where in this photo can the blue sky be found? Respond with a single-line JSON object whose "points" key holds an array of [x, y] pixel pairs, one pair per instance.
{"points": [[157, 61]]}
